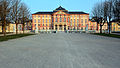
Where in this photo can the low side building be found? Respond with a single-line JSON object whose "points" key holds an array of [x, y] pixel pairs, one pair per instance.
{"points": [[115, 27]]}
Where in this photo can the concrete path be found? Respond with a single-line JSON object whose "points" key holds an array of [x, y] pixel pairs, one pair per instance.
{"points": [[61, 50]]}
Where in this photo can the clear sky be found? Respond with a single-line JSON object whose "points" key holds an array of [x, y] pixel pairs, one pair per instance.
{"points": [[71, 5]]}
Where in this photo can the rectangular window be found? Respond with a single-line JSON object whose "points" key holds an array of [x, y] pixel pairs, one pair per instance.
{"points": [[46, 20], [85, 20], [71, 20], [35, 21], [77, 20], [64, 19], [81, 20], [38, 16], [38, 24], [60, 19], [38, 20], [68, 20], [56, 19], [52, 19], [49, 20], [74, 20], [43, 20]]}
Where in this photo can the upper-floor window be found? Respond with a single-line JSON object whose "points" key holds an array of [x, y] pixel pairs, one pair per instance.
{"points": [[38, 20], [71, 20], [56, 15], [49, 20], [52, 20], [64, 15], [43, 16], [39, 16], [43, 20], [35, 21], [60, 19], [46, 16], [77, 20], [46, 20], [56, 19], [85, 20], [68, 20], [74, 20], [34, 16], [64, 19], [38, 24], [81, 20]]}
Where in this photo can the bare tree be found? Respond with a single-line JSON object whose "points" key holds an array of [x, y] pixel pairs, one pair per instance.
{"points": [[98, 15], [116, 10], [110, 15], [6, 6], [15, 13], [25, 14]]}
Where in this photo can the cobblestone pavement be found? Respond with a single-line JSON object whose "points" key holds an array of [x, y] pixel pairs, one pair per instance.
{"points": [[61, 50]]}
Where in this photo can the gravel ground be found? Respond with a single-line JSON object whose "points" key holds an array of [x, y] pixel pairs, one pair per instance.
{"points": [[61, 50]]}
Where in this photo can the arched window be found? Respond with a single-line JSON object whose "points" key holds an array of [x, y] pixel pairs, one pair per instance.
{"points": [[68, 20], [56, 19], [60, 19], [64, 19]]}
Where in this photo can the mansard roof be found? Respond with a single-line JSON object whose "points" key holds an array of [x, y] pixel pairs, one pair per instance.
{"points": [[62, 9], [43, 13], [77, 13]]}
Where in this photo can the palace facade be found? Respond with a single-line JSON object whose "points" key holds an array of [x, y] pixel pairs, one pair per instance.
{"points": [[60, 19]]}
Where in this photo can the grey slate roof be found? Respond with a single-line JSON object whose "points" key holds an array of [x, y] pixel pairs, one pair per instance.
{"points": [[61, 8]]}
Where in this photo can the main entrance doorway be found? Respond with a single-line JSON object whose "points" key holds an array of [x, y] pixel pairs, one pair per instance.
{"points": [[60, 27]]}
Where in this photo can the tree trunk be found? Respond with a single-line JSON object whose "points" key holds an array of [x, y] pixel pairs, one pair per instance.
{"points": [[109, 27], [23, 28], [100, 28], [4, 28], [16, 28]]}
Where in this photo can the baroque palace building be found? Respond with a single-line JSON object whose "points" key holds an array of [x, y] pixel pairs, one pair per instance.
{"points": [[61, 19]]}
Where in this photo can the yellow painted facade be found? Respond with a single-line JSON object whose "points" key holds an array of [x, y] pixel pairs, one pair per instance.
{"points": [[115, 27]]}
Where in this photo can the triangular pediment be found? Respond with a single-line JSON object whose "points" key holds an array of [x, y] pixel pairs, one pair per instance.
{"points": [[60, 12]]}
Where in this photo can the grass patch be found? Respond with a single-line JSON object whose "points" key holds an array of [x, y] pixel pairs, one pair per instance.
{"points": [[108, 35], [2, 38]]}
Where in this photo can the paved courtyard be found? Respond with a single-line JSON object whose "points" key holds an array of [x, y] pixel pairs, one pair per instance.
{"points": [[61, 50]]}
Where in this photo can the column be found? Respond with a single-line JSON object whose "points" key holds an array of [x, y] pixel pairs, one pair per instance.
{"points": [[62, 27], [57, 27], [54, 27]]}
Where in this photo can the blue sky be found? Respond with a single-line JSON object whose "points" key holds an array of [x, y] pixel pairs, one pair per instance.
{"points": [[71, 5]]}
